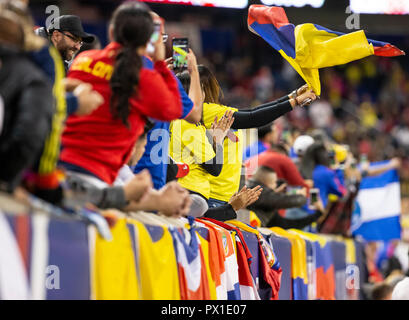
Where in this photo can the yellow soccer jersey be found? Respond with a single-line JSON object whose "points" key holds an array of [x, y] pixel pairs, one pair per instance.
{"points": [[157, 264], [189, 144], [228, 182], [113, 264]]}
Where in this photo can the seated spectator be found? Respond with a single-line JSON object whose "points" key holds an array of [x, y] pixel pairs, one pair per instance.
{"points": [[272, 200]]}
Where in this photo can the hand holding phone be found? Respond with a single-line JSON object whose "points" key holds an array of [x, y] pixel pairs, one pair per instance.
{"points": [[314, 196], [315, 201], [180, 48]]}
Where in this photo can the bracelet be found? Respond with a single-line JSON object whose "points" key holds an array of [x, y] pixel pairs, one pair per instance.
{"points": [[293, 95]]}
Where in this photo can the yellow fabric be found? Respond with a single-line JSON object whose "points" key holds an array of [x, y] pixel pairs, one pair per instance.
{"points": [[315, 49], [204, 244], [189, 144], [157, 265], [405, 221], [243, 226], [341, 152], [227, 183], [350, 251], [298, 253], [254, 220], [311, 236], [114, 271], [51, 152]]}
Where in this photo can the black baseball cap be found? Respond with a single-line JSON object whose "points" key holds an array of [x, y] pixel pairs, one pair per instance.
{"points": [[71, 24]]}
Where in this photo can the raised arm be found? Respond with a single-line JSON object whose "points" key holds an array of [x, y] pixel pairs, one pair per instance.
{"points": [[264, 114]]}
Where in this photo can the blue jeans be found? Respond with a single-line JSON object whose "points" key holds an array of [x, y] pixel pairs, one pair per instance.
{"points": [[214, 203]]}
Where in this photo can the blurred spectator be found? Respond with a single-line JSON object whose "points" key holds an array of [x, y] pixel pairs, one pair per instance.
{"points": [[277, 159], [22, 86], [382, 291], [316, 165], [272, 199], [67, 35]]}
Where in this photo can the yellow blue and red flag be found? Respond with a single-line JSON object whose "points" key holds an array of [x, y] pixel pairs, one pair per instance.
{"points": [[309, 47]]}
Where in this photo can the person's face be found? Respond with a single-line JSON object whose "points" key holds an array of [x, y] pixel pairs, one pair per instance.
{"points": [[67, 44], [271, 180]]}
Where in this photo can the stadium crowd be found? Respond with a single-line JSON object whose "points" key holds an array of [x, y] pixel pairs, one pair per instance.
{"points": [[87, 125]]}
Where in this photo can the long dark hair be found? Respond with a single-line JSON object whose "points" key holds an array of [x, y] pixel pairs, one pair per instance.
{"points": [[210, 85], [133, 27], [316, 154]]}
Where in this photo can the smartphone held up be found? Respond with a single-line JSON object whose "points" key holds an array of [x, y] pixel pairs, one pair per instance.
{"points": [[313, 196], [180, 48]]}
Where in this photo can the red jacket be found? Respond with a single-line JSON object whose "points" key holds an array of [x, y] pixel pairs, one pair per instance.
{"points": [[283, 166], [97, 142]]}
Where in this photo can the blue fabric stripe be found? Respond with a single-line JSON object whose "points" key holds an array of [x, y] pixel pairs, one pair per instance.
{"points": [[155, 232], [282, 249], [375, 43], [252, 244], [380, 230], [279, 38], [300, 289], [234, 294], [131, 230], [192, 249], [69, 251], [380, 181], [338, 250]]}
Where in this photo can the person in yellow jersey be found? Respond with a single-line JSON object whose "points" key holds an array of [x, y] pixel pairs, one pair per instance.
{"points": [[202, 150], [227, 182]]}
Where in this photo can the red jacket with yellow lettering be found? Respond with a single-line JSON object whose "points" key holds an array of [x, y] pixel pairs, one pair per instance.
{"points": [[101, 144]]}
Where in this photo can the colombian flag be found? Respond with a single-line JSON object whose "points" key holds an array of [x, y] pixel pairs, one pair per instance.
{"points": [[309, 47]]}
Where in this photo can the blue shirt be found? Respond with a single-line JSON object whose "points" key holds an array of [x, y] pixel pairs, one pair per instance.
{"points": [[254, 150], [327, 182], [155, 158]]}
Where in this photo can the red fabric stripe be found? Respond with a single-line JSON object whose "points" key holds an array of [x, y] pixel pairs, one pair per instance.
{"points": [[388, 51], [23, 238], [267, 15]]}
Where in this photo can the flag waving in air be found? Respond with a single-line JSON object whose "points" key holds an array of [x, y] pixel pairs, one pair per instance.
{"points": [[309, 47]]}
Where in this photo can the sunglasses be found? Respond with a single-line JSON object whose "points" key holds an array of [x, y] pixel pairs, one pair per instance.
{"points": [[76, 40]]}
